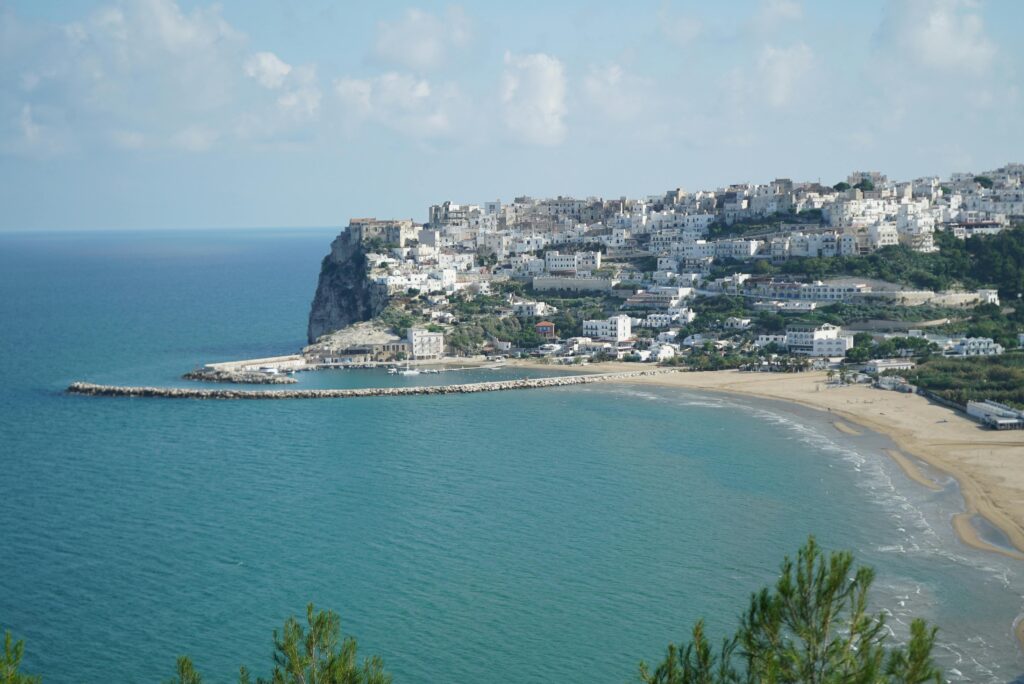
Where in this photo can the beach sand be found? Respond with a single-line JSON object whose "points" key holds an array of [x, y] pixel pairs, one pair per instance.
{"points": [[988, 464]]}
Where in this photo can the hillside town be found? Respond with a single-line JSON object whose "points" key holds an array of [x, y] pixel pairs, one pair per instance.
{"points": [[712, 278]]}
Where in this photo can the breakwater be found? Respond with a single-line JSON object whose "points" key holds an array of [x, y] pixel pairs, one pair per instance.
{"points": [[93, 390]]}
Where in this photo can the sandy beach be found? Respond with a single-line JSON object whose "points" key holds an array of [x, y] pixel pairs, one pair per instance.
{"points": [[989, 465]]}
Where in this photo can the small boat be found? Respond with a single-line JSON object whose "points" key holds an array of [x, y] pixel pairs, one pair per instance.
{"points": [[392, 371], [269, 370], [408, 371]]}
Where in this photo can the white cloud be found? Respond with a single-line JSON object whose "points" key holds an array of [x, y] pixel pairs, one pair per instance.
{"points": [[617, 94], [533, 98], [679, 29], [128, 140], [420, 41], [40, 132], [144, 73], [195, 138], [782, 72], [355, 94], [402, 102], [943, 35], [301, 98], [268, 69], [774, 12]]}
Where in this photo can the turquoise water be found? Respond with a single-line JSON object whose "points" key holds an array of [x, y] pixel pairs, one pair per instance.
{"points": [[561, 534]]}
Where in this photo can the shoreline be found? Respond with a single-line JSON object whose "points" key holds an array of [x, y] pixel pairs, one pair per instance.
{"points": [[975, 458]]}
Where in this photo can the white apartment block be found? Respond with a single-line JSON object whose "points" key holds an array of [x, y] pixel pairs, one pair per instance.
{"points": [[816, 291], [737, 249], [579, 261], [617, 328], [659, 320], [823, 340], [424, 344]]}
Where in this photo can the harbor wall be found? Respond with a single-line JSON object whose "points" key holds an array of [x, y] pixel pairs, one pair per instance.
{"points": [[94, 390]]}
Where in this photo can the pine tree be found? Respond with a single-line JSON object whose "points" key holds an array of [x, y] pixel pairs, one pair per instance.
{"points": [[14, 651], [812, 628], [312, 654]]}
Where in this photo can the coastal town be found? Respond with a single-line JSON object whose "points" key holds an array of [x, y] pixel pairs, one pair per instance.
{"points": [[775, 276]]}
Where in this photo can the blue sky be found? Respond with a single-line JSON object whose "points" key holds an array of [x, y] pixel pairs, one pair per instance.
{"points": [[142, 114]]}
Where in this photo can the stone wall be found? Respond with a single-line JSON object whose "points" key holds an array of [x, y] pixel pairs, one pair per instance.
{"points": [[93, 390]]}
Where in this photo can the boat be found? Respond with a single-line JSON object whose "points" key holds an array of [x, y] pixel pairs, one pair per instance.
{"points": [[269, 370], [408, 371]]}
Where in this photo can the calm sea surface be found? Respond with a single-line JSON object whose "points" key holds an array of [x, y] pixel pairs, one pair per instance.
{"points": [[557, 535]]}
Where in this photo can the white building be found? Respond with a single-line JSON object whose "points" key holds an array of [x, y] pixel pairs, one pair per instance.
{"points": [[995, 415], [659, 320], [424, 344], [882, 365], [975, 346], [530, 309], [765, 340], [618, 328], [662, 352], [823, 340], [580, 261]]}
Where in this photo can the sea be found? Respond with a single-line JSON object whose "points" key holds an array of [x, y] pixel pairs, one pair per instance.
{"points": [[553, 535]]}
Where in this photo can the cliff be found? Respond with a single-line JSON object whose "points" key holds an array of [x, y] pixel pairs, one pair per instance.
{"points": [[344, 293]]}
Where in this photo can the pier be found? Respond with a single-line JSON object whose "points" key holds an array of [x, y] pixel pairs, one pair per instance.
{"points": [[94, 390]]}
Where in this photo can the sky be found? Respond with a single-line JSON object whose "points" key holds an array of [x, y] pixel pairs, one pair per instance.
{"points": [[162, 114]]}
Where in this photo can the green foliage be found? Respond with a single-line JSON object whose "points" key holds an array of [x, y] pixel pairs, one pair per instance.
{"points": [[980, 261], [647, 264], [984, 181], [865, 185], [186, 672], [377, 245], [858, 354], [314, 653], [989, 320], [864, 348], [14, 651], [711, 311], [998, 260], [841, 186], [853, 312], [761, 224], [1000, 378], [573, 310], [812, 627], [398, 319]]}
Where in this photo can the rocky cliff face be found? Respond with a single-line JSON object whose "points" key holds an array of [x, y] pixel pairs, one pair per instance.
{"points": [[344, 294]]}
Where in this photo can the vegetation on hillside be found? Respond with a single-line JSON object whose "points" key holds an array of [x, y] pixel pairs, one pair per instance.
{"points": [[980, 261], [999, 378], [762, 224]]}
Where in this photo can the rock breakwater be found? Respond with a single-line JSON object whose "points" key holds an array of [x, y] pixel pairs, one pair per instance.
{"points": [[239, 377], [90, 389]]}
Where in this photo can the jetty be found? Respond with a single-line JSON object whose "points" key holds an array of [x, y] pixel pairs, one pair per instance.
{"points": [[94, 390]]}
